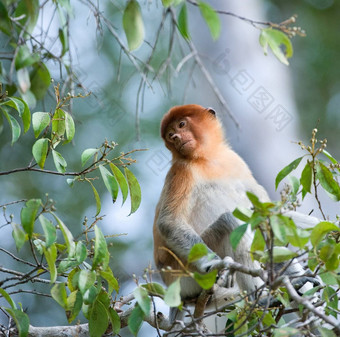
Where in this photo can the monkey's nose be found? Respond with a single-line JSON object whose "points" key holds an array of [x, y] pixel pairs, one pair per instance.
{"points": [[175, 136]]}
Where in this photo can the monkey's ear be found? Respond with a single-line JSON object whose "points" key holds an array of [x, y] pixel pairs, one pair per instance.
{"points": [[212, 111]]}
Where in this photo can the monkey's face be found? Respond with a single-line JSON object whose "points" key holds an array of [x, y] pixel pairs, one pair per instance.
{"points": [[179, 137]]}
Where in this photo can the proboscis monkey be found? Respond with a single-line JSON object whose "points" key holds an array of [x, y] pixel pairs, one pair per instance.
{"points": [[206, 182]]}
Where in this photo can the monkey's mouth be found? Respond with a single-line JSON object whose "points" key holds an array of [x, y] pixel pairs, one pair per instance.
{"points": [[184, 145]]}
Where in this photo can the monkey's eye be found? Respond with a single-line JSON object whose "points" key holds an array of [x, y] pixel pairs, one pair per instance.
{"points": [[170, 134], [181, 124]]}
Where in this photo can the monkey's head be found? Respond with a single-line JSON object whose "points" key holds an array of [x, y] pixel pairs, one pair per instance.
{"points": [[191, 131]]}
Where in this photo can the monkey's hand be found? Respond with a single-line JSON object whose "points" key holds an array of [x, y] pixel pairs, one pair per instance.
{"points": [[304, 283], [207, 264], [226, 277]]}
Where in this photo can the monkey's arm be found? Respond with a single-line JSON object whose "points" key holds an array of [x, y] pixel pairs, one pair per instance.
{"points": [[302, 220], [180, 237]]}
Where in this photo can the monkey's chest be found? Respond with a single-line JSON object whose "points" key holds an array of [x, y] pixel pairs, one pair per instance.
{"points": [[211, 199]]}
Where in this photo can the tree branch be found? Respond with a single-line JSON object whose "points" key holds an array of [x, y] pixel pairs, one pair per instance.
{"points": [[308, 305]]}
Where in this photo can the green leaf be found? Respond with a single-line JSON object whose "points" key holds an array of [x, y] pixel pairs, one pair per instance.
{"points": [[327, 250], [275, 39], [167, 3], [206, 281], [97, 198], [86, 155], [111, 280], [297, 237], [172, 296], [330, 296], [21, 321], [22, 108], [280, 254], [81, 252], [5, 22], [28, 214], [278, 224], [49, 230], [312, 261], [312, 291], [268, 319], [254, 199], [294, 183], [333, 262], [133, 24], [59, 294], [135, 320], [258, 243], [324, 332], [242, 213], [39, 245], [59, 161], [19, 236], [306, 177], [197, 251], [241, 325], [99, 320], [68, 237], [58, 123], [329, 156], [142, 297], [104, 297], [154, 289], [40, 80], [329, 278], [69, 126], [115, 320], [320, 230], [135, 191], [327, 181], [15, 127], [183, 22], [39, 151], [86, 280], [51, 257], [72, 279], [90, 295], [101, 253], [110, 182], [124, 187], [70, 181], [74, 305], [25, 58], [64, 41], [286, 170], [8, 298], [29, 11], [211, 18], [237, 234], [40, 121]]}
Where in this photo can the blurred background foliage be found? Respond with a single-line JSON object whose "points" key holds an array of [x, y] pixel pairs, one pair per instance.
{"points": [[316, 75], [76, 47]]}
